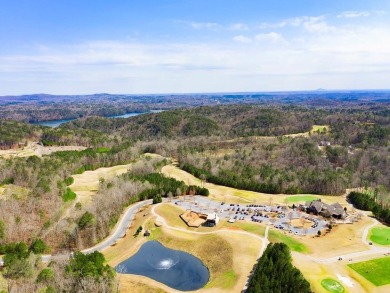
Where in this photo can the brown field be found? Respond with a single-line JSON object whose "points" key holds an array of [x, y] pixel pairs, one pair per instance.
{"points": [[35, 149], [86, 184]]}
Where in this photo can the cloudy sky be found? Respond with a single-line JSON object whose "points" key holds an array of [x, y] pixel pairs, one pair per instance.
{"points": [[182, 46]]}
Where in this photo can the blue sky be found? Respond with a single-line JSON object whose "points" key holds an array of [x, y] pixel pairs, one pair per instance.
{"points": [[161, 46]]}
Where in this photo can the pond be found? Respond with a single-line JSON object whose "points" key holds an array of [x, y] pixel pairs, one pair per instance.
{"points": [[176, 269]]}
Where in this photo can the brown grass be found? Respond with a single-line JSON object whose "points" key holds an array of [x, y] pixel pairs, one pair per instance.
{"points": [[343, 239], [229, 256], [233, 195]]}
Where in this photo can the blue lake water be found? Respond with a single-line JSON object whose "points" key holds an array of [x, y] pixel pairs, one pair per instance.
{"points": [[56, 123], [176, 269]]}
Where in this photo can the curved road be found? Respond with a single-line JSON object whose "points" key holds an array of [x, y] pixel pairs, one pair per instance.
{"points": [[125, 221], [264, 239], [118, 232]]}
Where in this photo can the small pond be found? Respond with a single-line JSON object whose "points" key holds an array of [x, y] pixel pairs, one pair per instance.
{"points": [[176, 269]]}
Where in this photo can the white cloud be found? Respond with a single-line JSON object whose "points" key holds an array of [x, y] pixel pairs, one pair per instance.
{"points": [[242, 39], [238, 27], [312, 24], [316, 24], [356, 14], [353, 14], [343, 57], [205, 25], [270, 37]]}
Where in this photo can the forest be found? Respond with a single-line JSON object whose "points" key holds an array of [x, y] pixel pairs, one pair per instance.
{"points": [[44, 107], [376, 203]]}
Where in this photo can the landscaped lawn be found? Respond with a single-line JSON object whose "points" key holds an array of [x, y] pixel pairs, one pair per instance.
{"points": [[332, 286], [380, 235], [294, 245], [375, 270], [299, 198]]}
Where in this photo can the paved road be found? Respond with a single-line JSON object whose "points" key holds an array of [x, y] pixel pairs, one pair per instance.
{"points": [[372, 251], [247, 212], [127, 217], [264, 240], [120, 229], [118, 232]]}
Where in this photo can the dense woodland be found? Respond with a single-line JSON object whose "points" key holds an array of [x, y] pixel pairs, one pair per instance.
{"points": [[275, 273], [82, 273]]}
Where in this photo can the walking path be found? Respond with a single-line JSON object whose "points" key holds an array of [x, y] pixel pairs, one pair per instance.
{"points": [[264, 240]]}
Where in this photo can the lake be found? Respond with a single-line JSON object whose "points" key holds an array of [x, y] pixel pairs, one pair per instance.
{"points": [[174, 268], [56, 123]]}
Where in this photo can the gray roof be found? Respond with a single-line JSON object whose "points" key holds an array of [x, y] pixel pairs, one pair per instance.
{"points": [[319, 206]]}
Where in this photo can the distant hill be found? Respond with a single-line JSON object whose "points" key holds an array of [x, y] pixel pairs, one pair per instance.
{"points": [[235, 120], [42, 107]]}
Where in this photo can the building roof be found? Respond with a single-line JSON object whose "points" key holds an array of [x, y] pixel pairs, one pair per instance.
{"points": [[212, 216], [320, 207], [316, 205]]}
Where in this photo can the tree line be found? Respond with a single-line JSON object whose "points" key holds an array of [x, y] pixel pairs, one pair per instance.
{"points": [[274, 272], [368, 203]]}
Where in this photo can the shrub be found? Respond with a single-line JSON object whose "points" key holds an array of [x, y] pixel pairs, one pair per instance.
{"points": [[87, 219]]}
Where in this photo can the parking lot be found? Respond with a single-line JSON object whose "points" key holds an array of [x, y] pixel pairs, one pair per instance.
{"points": [[281, 217]]}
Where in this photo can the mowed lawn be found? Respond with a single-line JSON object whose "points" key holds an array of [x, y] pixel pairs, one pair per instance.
{"points": [[301, 198], [294, 245], [380, 235], [376, 270], [332, 286]]}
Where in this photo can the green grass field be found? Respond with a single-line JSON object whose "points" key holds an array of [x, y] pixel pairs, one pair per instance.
{"points": [[250, 227], [380, 235], [376, 270], [301, 198], [332, 286], [293, 244]]}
